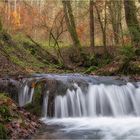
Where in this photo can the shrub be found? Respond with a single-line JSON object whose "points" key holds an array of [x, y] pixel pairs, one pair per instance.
{"points": [[5, 113], [128, 52]]}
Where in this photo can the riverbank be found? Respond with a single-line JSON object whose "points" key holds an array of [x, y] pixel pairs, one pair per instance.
{"points": [[15, 122]]}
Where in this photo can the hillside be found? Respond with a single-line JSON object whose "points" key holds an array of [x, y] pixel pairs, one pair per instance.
{"points": [[15, 123], [23, 56]]}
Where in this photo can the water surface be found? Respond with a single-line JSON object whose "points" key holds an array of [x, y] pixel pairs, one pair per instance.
{"points": [[104, 128]]}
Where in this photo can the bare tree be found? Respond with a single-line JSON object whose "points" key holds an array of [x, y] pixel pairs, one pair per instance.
{"points": [[0, 24], [92, 38], [69, 17], [115, 12], [103, 24], [56, 31]]}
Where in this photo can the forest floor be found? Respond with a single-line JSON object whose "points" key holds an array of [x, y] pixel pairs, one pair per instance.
{"points": [[25, 56]]}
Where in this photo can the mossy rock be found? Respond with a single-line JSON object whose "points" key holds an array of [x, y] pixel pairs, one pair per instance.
{"points": [[3, 132]]}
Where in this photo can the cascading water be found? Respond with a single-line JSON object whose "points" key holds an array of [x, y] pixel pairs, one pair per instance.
{"points": [[97, 109], [100, 100], [25, 93]]}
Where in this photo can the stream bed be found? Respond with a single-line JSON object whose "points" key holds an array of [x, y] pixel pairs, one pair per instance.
{"points": [[85, 107], [104, 128]]}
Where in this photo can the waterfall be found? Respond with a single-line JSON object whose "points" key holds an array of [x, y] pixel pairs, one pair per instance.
{"points": [[45, 104], [25, 93], [99, 99]]}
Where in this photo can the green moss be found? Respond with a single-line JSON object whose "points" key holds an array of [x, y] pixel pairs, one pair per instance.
{"points": [[3, 96], [22, 38], [3, 132], [5, 113], [9, 49], [31, 62], [21, 56], [90, 69], [17, 61]]}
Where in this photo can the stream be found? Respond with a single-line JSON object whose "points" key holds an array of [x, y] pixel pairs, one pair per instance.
{"points": [[105, 128], [86, 107]]}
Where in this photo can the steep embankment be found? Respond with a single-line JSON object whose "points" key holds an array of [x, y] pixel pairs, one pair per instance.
{"points": [[25, 56], [126, 63], [15, 123], [19, 57]]}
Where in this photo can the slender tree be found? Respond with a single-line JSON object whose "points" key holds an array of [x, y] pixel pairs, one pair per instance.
{"points": [[115, 12], [69, 17], [132, 21], [92, 37], [0, 25], [103, 24]]}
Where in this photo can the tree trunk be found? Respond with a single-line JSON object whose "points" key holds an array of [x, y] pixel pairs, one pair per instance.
{"points": [[70, 22], [0, 25], [103, 27], [132, 21], [92, 38], [115, 11]]}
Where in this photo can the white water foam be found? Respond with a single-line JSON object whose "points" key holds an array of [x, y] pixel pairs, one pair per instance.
{"points": [[100, 100], [107, 127]]}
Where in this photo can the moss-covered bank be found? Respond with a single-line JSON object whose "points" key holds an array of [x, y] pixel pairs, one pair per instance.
{"points": [[15, 122]]}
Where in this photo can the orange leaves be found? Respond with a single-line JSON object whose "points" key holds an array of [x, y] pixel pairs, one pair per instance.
{"points": [[16, 19], [33, 85], [29, 70], [81, 30], [127, 39]]}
